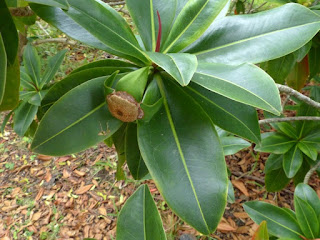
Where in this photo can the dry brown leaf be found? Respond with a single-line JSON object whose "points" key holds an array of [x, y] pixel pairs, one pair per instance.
{"points": [[83, 189], [79, 173], [241, 215], [36, 216], [102, 211], [225, 227], [39, 195], [66, 173], [238, 184], [44, 157], [48, 176]]}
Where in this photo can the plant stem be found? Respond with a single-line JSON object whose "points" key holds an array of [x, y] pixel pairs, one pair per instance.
{"points": [[55, 40], [310, 172], [298, 95], [288, 119], [116, 3]]}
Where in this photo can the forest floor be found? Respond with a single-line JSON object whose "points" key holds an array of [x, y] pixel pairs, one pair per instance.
{"points": [[77, 196]]}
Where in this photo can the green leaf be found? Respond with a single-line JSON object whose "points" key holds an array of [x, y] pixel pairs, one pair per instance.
{"points": [[273, 162], [11, 94], [78, 120], [232, 145], [9, 33], [246, 83], [280, 223], [113, 64], [301, 174], [194, 18], [118, 139], [259, 37], [24, 114], [37, 98], [314, 61], [3, 69], [276, 180], [308, 149], [307, 218], [180, 66], [262, 232], [292, 161], [144, 16], [185, 161], [72, 81], [242, 119], [54, 3], [26, 81], [274, 142], [231, 197], [139, 218], [305, 127], [306, 193], [32, 64], [287, 129], [137, 167], [5, 121], [107, 25], [53, 66], [59, 19]]}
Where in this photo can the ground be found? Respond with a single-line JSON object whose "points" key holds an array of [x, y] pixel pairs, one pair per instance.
{"points": [[77, 196]]}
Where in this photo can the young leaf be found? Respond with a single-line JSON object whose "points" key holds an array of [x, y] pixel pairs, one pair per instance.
{"points": [[308, 149], [194, 18], [32, 64], [107, 25], [257, 37], [24, 114], [180, 66], [287, 129], [262, 232], [78, 120], [53, 66], [242, 119], [307, 218], [139, 218], [25, 81], [274, 142], [280, 223], [3, 68], [144, 16], [134, 159], [292, 161], [232, 145], [246, 83], [187, 166]]}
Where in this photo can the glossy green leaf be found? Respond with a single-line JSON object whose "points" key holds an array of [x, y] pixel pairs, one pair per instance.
{"points": [[292, 161], [314, 61], [26, 95], [262, 232], [107, 25], [274, 142], [139, 218], [280, 223], [301, 174], [54, 3], [307, 218], [257, 37], [11, 94], [144, 16], [24, 114], [273, 162], [118, 139], [137, 167], [32, 64], [276, 180], [242, 119], [113, 64], [78, 120], [287, 129], [308, 149], [9, 33], [5, 121], [52, 67], [313, 138], [37, 98], [245, 83], [180, 66], [232, 145], [26, 81], [306, 193], [194, 18], [231, 197], [3, 68], [306, 127], [185, 161], [59, 19]]}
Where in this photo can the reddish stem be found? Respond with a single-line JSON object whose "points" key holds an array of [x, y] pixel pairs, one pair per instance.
{"points": [[159, 33]]}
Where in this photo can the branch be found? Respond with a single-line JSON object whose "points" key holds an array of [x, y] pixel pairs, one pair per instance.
{"points": [[310, 172], [298, 95], [288, 119], [55, 40], [116, 3]]}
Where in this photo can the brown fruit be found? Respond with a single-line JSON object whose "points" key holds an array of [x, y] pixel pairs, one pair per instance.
{"points": [[124, 107]]}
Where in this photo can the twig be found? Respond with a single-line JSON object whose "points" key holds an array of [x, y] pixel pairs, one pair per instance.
{"points": [[55, 40], [250, 8], [116, 3], [288, 119], [285, 102], [43, 29], [298, 95], [255, 9], [310, 172]]}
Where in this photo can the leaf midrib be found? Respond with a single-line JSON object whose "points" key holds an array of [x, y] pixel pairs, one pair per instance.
{"points": [[251, 38]]}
